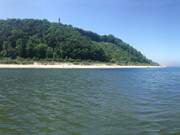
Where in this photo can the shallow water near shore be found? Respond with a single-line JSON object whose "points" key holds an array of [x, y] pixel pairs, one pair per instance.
{"points": [[90, 101]]}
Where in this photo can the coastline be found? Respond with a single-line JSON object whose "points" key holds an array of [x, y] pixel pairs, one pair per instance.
{"points": [[72, 66]]}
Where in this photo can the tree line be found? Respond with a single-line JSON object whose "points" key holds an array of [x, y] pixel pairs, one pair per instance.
{"points": [[41, 39]]}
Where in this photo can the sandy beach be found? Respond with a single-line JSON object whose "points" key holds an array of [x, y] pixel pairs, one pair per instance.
{"points": [[72, 66]]}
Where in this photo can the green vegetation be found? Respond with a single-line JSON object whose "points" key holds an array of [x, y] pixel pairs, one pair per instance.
{"points": [[34, 40]]}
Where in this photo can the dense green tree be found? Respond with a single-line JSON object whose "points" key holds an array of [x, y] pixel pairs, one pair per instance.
{"points": [[30, 49], [20, 48], [8, 50], [41, 50], [49, 52], [40, 39]]}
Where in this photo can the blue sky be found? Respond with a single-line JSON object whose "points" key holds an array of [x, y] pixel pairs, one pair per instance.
{"points": [[151, 26]]}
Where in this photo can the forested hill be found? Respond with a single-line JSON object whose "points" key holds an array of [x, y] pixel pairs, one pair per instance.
{"points": [[43, 40]]}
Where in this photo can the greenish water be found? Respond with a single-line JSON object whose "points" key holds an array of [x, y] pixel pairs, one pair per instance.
{"points": [[89, 102]]}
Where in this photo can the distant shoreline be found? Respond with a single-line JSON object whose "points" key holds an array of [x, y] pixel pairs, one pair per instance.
{"points": [[72, 66]]}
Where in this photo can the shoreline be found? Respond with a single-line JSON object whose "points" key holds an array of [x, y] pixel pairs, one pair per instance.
{"points": [[72, 66]]}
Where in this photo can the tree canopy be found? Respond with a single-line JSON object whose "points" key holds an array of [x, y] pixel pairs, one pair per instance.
{"points": [[41, 39]]}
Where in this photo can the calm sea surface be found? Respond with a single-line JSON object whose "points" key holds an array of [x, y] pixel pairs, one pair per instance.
{"points": [[89, 101]]}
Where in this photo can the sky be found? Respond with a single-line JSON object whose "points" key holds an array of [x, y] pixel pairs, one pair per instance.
{"points": [[151, 26]]}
